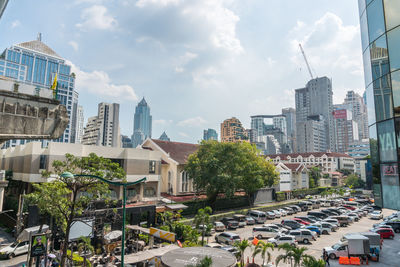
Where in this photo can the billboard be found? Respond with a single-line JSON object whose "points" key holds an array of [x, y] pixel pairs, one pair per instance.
{"points": [[340, 114], [38, 245], [162, 234]]}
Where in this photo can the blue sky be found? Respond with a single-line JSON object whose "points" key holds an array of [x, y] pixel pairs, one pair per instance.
{"points": [[197, 62]]}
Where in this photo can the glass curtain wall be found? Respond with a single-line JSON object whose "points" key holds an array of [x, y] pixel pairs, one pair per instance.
{"points": [[380, 38]]}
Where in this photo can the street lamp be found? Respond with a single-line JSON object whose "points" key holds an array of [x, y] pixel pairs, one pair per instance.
{"points": [[124, 185]]}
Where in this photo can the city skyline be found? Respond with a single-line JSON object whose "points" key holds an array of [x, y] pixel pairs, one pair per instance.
{"points": [[188, 72]]}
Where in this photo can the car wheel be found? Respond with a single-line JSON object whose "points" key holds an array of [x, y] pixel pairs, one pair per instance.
{"points": [[227, 242], [12, 255], [332, 256], [259, 236], [391, 237], [325, 232], [293, 245], [305, 241], [275, 244], [397, 230]]}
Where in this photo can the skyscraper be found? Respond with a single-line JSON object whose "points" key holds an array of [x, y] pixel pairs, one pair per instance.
{"points": [[313, 107], [233, 131], [142, 123], [359, 112], [80, 125], [103, 129], [210, 134], [164, 137], [380, 39], [346, 128], [36, 64], [290, 115]]}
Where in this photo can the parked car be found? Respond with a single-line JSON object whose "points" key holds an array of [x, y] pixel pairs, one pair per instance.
{"points": [[376, 215], [325, 228], [14, 249], [241, 219], [381, 225], [303, 206], [318, 214], [343, 220], [292, 224], [283, 239], [283, 212], [270, 215], [277, 213], [219, 226], [298, 209], [213, 245], [289, 210], [301, 221], [232, 250], [264, 232], [316, 219], [316, 204], [303, 235], [207, 231], [314, 229], [328, 212], [395, 225], [349, 207], [332, 221], [384, 232], [230, 223], [250, 220], [258, 216], [228, 238], [306, 219], [354, 215]]}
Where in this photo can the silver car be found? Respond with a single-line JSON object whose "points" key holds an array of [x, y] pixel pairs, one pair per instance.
{"points": [[283, 239], [303, 235], [228, 238], [277, 213]]}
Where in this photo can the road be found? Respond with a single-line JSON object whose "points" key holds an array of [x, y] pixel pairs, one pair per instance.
{"points": [[391, 247]]}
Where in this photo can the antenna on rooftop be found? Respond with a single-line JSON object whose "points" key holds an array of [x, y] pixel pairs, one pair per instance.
{"points": [[39, 36]]}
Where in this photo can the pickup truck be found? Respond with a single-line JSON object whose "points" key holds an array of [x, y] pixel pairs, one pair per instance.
{"points": [[355, 245]]}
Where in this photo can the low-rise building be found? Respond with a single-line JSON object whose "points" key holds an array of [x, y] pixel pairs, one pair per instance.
{"points": [[174, 179], [27, 162], [328, 161], [292, 176]]}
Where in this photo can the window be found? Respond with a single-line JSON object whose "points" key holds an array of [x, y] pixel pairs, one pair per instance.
{"points": [[43, 162], [170, 189], [184, 182], [152, 166], [149, 192], [376, 25], [391, 13]]}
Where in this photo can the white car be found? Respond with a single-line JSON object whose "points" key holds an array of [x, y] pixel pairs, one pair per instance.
{"points": [[332, 221], [283, 239], [14, 249], [265, 232], [283, 212], [277, 213], [324, 227], [376, 215]]}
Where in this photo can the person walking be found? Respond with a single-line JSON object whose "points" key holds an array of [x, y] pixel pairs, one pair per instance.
{"points": [[325, 256]]}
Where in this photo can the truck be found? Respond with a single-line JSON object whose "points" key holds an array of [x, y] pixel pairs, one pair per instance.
{"points": [[374, 241], [21, 245], [354, 245]]}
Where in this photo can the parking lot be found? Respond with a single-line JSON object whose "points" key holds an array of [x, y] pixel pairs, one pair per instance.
{"points": [[390, 247]]}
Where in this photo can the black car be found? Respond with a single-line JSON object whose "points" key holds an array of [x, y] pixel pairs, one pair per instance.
{"points": [[328, 212], [395, 225], [335, 211], [303, 206], [289, 210], [230, 223], [292, 224], [318, 214]]}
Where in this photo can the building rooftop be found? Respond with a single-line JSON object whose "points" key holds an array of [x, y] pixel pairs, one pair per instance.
{"points": [[294, 167], [308, 154], [38, 46], [176, 150]]}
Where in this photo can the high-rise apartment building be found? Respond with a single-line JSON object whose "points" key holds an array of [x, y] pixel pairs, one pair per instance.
{"points": [[314, 106], [290, 115], [80, 124], [380, 39], [210, 134], [142, 123], [103, 129], [359, 111], [36, 64], [233, 131], [346, 128], [279, 122]]}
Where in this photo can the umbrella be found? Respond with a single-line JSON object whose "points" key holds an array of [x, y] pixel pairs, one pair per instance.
{"points": [[113, 235], [52, 256]]}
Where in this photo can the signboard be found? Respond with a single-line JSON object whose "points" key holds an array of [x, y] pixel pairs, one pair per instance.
{"points": [[340, 114], [162, 234], [38, 245]]}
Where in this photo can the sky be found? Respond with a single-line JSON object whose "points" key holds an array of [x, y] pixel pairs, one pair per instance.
{"points": [[196, 62]]}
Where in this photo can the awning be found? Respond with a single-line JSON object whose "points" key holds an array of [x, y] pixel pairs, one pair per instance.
{"points": [[176, 207], [138, 228], [147, 254]]}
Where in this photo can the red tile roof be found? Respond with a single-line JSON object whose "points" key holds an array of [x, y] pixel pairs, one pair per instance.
{"points": [[176, 150], [306, 155], [294, 166]]}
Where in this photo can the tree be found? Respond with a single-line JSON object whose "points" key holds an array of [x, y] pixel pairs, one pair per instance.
{"points": [[66, 198], [241, 246], [262, 248], [314, 176], [226, 167], [353, 181], [310, 261], [203, 218], [293, 254], [84, 246]]}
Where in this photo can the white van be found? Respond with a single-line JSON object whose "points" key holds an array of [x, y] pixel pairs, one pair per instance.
{"points": [[258, 216], [14, 249]]}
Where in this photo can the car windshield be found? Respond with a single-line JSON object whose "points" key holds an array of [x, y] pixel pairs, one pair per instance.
{"points": [[13, 245], [336, 246]]}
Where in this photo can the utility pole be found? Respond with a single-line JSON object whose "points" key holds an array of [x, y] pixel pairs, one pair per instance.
{"points": [[19, 215]]}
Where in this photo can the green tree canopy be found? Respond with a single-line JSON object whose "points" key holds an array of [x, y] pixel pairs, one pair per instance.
{"points": [[66, 198], [353, 181], [226, 167], [314, 176]]}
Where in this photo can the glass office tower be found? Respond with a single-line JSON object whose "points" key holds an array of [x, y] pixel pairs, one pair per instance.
{"points": [[380, 37]]}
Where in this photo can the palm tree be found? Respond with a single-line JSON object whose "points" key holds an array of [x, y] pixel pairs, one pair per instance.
{"points": [[310, 261], [85, 246], [203, 218], [294, 254], [241, 246], [262, 248]]}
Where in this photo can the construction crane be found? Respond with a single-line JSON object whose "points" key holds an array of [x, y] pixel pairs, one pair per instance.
{"points": [[305, 59]]}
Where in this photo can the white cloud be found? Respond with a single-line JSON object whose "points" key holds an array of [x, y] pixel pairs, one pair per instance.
{"points": [[192, 122], [15, 24], [162, 122], [183, 134], [162, 3], [97, 17], [74, 45], [183, 60], [99, 83]]}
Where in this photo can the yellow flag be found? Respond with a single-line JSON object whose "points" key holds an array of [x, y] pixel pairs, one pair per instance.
{"points": [[54, 85]]}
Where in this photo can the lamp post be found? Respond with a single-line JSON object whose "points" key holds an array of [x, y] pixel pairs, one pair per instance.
{"points": [[124, 185]]}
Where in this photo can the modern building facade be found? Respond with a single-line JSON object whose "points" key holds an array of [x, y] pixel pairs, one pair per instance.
{"points": [[346, 129], [34, 63], [311, 135], [314, 103], [103, 129], [380, 38], [290, 115], [3, 5], [126, 141], [80, 124], [210, 134], [164, 137], [28, 161], [356, 104], [233, 131], [142, 123]]}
